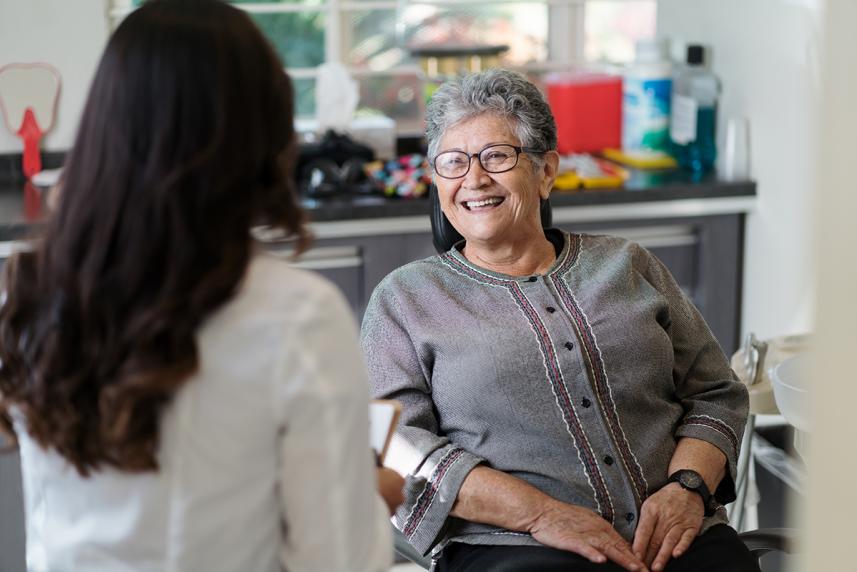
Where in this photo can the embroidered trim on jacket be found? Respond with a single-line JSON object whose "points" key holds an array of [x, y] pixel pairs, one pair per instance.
{"points": [[425, 499], [715, 424], [554, 373], [602, 387]]}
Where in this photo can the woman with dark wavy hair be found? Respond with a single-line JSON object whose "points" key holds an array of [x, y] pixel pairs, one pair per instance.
{"points": [[183, 401]]}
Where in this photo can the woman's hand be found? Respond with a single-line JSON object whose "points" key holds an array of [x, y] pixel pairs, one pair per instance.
{"points": [[390, 485], [579, 530], [670, 519]]}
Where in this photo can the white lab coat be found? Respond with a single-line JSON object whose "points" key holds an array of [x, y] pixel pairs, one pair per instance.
{"points": [[264, 456]]}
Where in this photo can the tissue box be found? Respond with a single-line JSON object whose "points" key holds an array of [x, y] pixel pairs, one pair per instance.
{"points": [[378, 132]]}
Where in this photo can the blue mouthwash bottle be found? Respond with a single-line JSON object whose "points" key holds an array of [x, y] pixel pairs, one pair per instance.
{"points": [[693, 123]]}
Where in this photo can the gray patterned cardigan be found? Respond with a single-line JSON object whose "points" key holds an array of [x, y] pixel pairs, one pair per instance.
{"points": [[579, 382]]}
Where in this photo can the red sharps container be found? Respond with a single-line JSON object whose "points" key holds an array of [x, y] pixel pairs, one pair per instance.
{"points": [[588, 111]]}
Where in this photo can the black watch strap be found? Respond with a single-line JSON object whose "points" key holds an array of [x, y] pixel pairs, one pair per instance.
{"points": [[712, 506], [693, 481]]}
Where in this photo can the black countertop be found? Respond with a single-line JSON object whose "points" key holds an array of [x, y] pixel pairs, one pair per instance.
{"points": [[641, 187], [21, 211]]}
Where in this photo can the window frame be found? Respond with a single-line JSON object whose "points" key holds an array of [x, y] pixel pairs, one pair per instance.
{"points": [[565, 49]]}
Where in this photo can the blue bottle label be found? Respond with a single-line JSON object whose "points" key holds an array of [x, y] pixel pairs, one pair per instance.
{"points": [[646, 114]]}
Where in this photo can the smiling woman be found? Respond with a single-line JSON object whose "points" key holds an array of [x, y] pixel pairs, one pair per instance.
{"points": [[569, 404], [493, 202], [496, 210]]}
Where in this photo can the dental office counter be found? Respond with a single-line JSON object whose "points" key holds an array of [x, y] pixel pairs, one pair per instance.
{"points": [[696, 228]]}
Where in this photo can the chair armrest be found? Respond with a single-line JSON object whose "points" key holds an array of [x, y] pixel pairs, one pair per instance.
{"points": [[764, 540]]}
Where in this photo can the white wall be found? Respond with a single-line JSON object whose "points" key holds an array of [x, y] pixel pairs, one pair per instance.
{"points": [[70, 35], [766, 54], [788, 65], [832, 496]]}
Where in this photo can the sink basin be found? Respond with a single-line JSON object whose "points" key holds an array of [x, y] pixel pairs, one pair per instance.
{"points": [[790, 380]]}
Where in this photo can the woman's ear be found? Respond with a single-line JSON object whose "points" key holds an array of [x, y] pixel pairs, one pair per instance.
{"points": [[549, 173]]}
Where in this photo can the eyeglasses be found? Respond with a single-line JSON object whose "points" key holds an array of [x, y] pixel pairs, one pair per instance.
{"points": [[493, 158]]}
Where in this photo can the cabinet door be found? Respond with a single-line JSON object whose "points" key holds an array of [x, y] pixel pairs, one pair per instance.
{"points": [[418, 245], [12, 539], [341, 264]]}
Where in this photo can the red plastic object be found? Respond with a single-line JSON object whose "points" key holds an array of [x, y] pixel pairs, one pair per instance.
{"points": [[588, 111], [31, 133], [32, 202]]}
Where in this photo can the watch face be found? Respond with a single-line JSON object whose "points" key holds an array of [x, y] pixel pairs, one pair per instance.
{"points": [[689, 479]]}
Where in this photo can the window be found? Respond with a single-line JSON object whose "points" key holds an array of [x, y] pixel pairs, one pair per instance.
{"points": [[373, 38]]}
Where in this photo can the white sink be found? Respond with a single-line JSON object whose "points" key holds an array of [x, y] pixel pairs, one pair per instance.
{"points": [[790, 380]]}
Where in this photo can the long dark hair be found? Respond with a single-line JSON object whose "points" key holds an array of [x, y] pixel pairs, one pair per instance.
{"points": [[186, 142]]}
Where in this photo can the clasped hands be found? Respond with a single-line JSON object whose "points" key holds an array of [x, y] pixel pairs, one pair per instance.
{"points": [[670, 520]]}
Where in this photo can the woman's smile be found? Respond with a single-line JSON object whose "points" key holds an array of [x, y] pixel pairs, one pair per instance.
{"points": [[483, 205]]}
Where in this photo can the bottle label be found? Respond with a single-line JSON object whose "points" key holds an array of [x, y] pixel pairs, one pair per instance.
{"points": [[683, 121], [645, 114]]}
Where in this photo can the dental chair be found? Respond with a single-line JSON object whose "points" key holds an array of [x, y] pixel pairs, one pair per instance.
{"points": [[444, 236]]}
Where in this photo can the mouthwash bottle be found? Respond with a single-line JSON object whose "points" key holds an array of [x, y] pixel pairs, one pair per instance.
{"points": [[646, 88], [693, 125]]}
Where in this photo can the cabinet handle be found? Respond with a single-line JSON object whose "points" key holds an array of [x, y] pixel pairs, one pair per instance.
{"points": [[662, 236], [323, 258], [329, 263], [10, 247]]}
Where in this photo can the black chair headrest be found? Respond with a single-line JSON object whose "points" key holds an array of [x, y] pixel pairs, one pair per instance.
{"points": [[444, 235]]}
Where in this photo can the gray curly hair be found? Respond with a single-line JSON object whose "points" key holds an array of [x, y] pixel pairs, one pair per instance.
{"points": [[498, 91]]}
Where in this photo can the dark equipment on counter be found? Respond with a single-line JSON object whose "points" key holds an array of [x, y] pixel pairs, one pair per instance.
{"points": [[334, 167]]}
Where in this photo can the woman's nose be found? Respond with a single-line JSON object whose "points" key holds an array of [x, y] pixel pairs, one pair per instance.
{"points": [[476, 176]]}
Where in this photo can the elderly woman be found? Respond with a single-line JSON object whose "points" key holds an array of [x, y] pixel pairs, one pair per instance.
{"points": [[568, 405]]}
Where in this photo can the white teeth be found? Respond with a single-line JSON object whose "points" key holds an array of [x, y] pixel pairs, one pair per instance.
{"points": [[484, 202]]}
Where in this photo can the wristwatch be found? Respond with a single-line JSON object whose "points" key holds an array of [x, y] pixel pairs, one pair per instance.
{"points": [[692, 481]]}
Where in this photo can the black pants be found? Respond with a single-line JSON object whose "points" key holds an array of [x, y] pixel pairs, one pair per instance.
{"points": [[718, 550]]}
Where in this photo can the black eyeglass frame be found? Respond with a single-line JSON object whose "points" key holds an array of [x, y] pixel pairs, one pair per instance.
{"points": [[518, 150]]}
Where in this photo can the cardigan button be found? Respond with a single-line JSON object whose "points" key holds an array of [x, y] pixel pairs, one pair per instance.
{"points": [[585, 402], [569, 346], [533, 278], [608, 460], [551, 309], [629, 517]]}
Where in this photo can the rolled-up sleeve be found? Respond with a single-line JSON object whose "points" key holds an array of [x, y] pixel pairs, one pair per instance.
{"points": [[715, 402], [436, 467]]}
